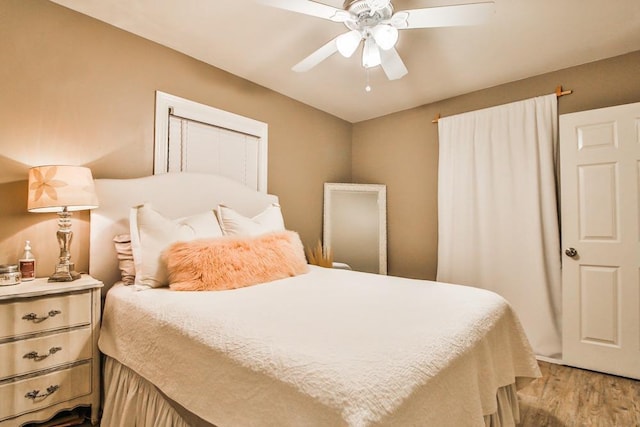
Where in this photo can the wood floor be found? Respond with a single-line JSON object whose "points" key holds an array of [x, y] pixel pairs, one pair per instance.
{"points": [[573, 397]]}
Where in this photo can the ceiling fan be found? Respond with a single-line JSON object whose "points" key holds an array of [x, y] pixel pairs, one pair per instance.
{"points": [[375, 22]]}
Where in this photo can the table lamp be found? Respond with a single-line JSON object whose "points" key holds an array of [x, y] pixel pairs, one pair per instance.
{"points": [[62, 189]]}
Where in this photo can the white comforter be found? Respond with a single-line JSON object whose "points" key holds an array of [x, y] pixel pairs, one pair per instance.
{"points": [[330, 348]]}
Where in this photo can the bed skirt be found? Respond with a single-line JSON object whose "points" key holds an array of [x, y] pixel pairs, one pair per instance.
{"points": [[130, 400]]}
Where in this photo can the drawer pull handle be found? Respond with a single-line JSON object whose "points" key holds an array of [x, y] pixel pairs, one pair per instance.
{"points": [[38, 357], [35, 319], [35, 394]]}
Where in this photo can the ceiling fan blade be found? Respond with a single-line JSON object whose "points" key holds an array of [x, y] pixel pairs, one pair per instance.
{"points": [[449, 16], [392, 64], [316, 57], [399, 20], [376, 5], [311, 8]]}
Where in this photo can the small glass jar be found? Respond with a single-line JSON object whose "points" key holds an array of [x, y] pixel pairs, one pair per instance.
{"points": [[9, 275]]}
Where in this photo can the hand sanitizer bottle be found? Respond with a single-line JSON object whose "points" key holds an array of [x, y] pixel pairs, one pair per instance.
{"points": [[27, 264]]}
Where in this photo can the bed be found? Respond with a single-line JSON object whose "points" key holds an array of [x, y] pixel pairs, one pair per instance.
{"points": [[328, 347]]}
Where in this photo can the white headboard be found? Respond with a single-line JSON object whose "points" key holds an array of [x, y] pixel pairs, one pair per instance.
{"points": [[173, 194]]}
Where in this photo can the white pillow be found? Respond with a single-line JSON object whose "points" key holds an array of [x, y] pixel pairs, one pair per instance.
{"points": [[235, 224], [152, 233]]}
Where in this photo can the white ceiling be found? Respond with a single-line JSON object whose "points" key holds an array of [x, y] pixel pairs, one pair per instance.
{"points": [[261, 44]]}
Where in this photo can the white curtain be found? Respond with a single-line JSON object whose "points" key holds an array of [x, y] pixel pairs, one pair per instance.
{"points": [[498, 213]]}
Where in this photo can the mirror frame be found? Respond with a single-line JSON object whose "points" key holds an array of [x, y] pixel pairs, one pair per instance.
{"points": [[381, 191]]}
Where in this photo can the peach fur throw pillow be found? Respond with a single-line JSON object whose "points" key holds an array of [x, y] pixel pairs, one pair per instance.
{"points": [[234, 262]]}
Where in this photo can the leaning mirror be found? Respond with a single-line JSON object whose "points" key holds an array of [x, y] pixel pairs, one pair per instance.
{"points": [[355, 225]]}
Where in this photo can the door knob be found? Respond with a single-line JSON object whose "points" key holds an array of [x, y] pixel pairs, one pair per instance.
{"points": [[571, 252]]}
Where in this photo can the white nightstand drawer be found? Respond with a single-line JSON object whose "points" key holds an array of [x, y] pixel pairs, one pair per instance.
{"points": [[21, 357], [56, 326], [21, 317], [39, 392]]}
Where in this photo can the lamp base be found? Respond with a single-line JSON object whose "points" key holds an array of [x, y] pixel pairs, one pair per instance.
{"points": [[65, 269], [65, 273]]}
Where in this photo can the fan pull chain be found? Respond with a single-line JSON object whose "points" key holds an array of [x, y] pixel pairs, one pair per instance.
{"points": [[367, 88]]}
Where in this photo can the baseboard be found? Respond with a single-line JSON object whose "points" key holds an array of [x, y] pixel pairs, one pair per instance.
{"points": [[550, 360]]}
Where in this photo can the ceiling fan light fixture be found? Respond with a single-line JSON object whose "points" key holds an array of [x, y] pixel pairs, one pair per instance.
{"points": [[371, 54], [385, 36], [347, 43], [375, 22]]}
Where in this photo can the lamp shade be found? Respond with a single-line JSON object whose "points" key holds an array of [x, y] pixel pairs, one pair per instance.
{"points": [[54, 188], [370, 54], [385, 36], [347, 43]]}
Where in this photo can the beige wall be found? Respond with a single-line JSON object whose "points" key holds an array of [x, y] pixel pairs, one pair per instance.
{"points": [[77, 91], [74, 90], [401, 150]]}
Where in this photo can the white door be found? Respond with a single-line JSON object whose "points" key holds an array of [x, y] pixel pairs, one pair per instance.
{"points": [[600, 178]]}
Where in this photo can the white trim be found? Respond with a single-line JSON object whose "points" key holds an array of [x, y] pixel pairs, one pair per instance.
{"points": [[550, 360], [166, 104]]}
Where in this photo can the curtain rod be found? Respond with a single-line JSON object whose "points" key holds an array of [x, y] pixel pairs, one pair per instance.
{"points": [[559, 92]]}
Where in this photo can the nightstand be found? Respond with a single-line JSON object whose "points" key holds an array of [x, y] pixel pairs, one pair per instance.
{"points": [[49, 358]]}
